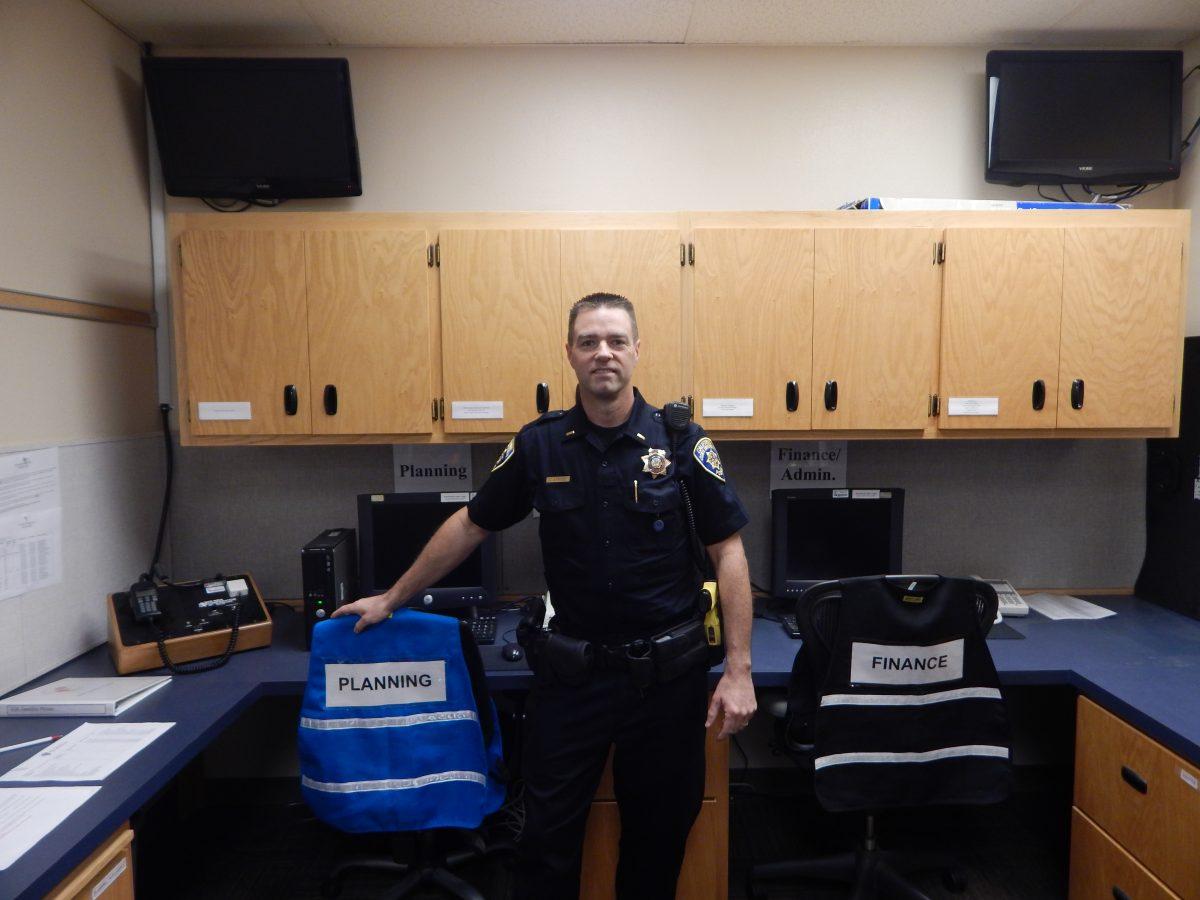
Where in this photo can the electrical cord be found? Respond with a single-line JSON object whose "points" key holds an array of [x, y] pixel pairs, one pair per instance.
{"points": [[231, 205], [207, 665]]}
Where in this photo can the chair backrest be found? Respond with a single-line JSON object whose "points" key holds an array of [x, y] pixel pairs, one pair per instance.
{"points": [[397, 731], [898, 690]]}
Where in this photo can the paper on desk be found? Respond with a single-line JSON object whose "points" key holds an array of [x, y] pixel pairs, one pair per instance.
{"points": [[29, 814], [91, 752], [1064, 606]]}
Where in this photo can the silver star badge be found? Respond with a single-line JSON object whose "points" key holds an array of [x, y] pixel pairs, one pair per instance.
{"points": [[655, 462]]}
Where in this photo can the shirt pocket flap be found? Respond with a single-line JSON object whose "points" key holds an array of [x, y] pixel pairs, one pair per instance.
{"points": [[653, 498], [551, 498]]}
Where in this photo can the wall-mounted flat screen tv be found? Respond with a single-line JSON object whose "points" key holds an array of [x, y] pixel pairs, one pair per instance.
{"points": [[1083, 117], [254, 128]]}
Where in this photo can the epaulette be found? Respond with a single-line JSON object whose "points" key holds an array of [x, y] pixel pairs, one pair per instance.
{"points": [[550, 416]]}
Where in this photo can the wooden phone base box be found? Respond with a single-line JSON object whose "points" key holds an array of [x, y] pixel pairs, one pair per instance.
{"points": [[134, 646]]}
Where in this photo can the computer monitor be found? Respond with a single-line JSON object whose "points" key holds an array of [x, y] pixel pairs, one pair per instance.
{"points": [[392, 530], [818, 534]]}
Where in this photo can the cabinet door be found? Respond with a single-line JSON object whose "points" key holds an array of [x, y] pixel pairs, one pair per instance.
{"points": [[1121, 335], [752, 328], [1001, 304], [368, 323], [875, 325], [245, 327], [643, 266], [502, 327]]}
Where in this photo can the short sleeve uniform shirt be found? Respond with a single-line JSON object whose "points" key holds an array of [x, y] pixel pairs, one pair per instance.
{"points": [[615, 542]]}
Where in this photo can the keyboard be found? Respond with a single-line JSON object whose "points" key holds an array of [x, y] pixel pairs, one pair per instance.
{"points": [[1012, 604], [483, 629]]}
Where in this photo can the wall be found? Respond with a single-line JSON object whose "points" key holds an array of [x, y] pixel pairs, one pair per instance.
{"points": [[74, 220], [662, 128]]}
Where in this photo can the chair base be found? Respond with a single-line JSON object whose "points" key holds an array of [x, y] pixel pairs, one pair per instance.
{"points": [[871, 872], [430, 867]]}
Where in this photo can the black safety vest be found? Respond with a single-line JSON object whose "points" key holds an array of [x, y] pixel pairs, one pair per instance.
{"points": [[910, 710]]}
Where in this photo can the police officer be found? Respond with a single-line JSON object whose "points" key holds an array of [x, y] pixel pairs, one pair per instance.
{"points": [[605, 477]]}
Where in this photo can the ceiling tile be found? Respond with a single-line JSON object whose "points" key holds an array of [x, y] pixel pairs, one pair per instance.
{"points": [[1146, 23], [214, 23], [457, 22]]}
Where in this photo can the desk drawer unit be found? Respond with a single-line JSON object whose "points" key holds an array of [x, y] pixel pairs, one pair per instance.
{"points": [[1141, 795], [1101, 870], [105, 875]]}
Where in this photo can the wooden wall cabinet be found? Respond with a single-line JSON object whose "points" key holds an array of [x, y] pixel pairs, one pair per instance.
{"points": [[287, 333], [776, 325], [875, 328], [753, 338], [1001, 309], [643, 265]]}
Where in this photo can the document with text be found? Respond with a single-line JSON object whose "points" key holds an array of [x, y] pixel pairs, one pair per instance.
{"points": [[29, 814], [91, 752]]}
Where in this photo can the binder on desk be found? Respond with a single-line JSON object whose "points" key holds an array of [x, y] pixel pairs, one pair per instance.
{"points": [[82, 696]]}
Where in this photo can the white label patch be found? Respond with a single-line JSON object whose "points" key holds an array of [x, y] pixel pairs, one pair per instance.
{"points": [[973, 406], [727, 407], [228, 412], [1189, 779], [477, 409], [888, 664], [106, 882], [382, 684]]}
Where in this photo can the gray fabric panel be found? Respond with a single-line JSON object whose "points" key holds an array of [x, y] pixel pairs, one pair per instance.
{"points": [[1038, 513]]}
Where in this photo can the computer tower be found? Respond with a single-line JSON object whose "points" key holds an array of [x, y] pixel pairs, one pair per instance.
{"points": [[1170, 573], [329, 566]]}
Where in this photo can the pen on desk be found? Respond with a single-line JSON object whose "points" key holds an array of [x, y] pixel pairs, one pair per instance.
{"points": [[45, 740], [635, 499]]}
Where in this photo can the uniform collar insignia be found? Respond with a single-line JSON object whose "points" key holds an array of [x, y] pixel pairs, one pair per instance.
{"points": [[656, 463]]}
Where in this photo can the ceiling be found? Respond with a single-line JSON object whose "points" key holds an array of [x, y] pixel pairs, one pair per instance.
{"points": [[443, 23]]}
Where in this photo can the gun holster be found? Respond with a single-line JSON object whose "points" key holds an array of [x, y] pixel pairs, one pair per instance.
{"points": [[554, 658]]}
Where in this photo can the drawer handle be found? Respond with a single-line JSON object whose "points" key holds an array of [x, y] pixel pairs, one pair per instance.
{"points": [[331, 400], [291, 399], [1119, 894], [792, 396], [542, 397], [1077, 394], [1133, 779]]}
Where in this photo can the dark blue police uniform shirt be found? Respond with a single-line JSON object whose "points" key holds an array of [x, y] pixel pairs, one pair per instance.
{"points": [[617, 562]]}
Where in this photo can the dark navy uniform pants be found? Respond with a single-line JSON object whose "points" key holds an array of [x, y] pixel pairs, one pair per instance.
{"points": [[658, 773]]}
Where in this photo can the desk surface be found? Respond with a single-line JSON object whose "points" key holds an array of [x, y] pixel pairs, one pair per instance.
{"points": [[1143, 664]]}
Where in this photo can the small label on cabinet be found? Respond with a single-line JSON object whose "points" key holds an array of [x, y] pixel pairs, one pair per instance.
{"points": [[106, 882], [727, 407], [229, 411], [477, 409], [1189, 779], [973, 406]]}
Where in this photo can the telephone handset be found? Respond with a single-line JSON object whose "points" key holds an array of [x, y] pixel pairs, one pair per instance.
{"points": [[143, 602]]}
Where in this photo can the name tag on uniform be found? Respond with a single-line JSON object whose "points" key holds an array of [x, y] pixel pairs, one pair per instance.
{"points": [[889, 664], [382, 684], [558, 479]]}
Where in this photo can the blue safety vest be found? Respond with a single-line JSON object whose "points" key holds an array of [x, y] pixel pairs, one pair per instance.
{"points": [[390, 735]]}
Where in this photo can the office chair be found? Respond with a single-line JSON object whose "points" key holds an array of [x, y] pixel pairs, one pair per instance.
{"points": [[398, 734], [894, 703]]}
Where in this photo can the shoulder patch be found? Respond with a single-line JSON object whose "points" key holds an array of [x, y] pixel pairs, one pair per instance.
{"points": [[506, 454], [710, 461]]}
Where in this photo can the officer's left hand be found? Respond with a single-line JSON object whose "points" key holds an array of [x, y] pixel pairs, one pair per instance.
{"points": [[734, 697]]}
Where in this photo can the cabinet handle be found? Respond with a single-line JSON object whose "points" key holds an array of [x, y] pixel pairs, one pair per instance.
{"points": [[331, 399], [1133, 779], [291, 399], [831, 395], [1077, 394], [1119, 894], [792, 396], [1039, 394], [543, 397]]}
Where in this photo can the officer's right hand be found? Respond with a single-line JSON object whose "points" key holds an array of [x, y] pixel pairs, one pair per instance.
{"points": [[370, 611]]}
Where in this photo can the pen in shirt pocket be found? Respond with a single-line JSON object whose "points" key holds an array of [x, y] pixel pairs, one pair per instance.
{"points": [[635, 497]]}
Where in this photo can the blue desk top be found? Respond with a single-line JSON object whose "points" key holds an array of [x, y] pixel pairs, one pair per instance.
{"points": [[1142, 664]]}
